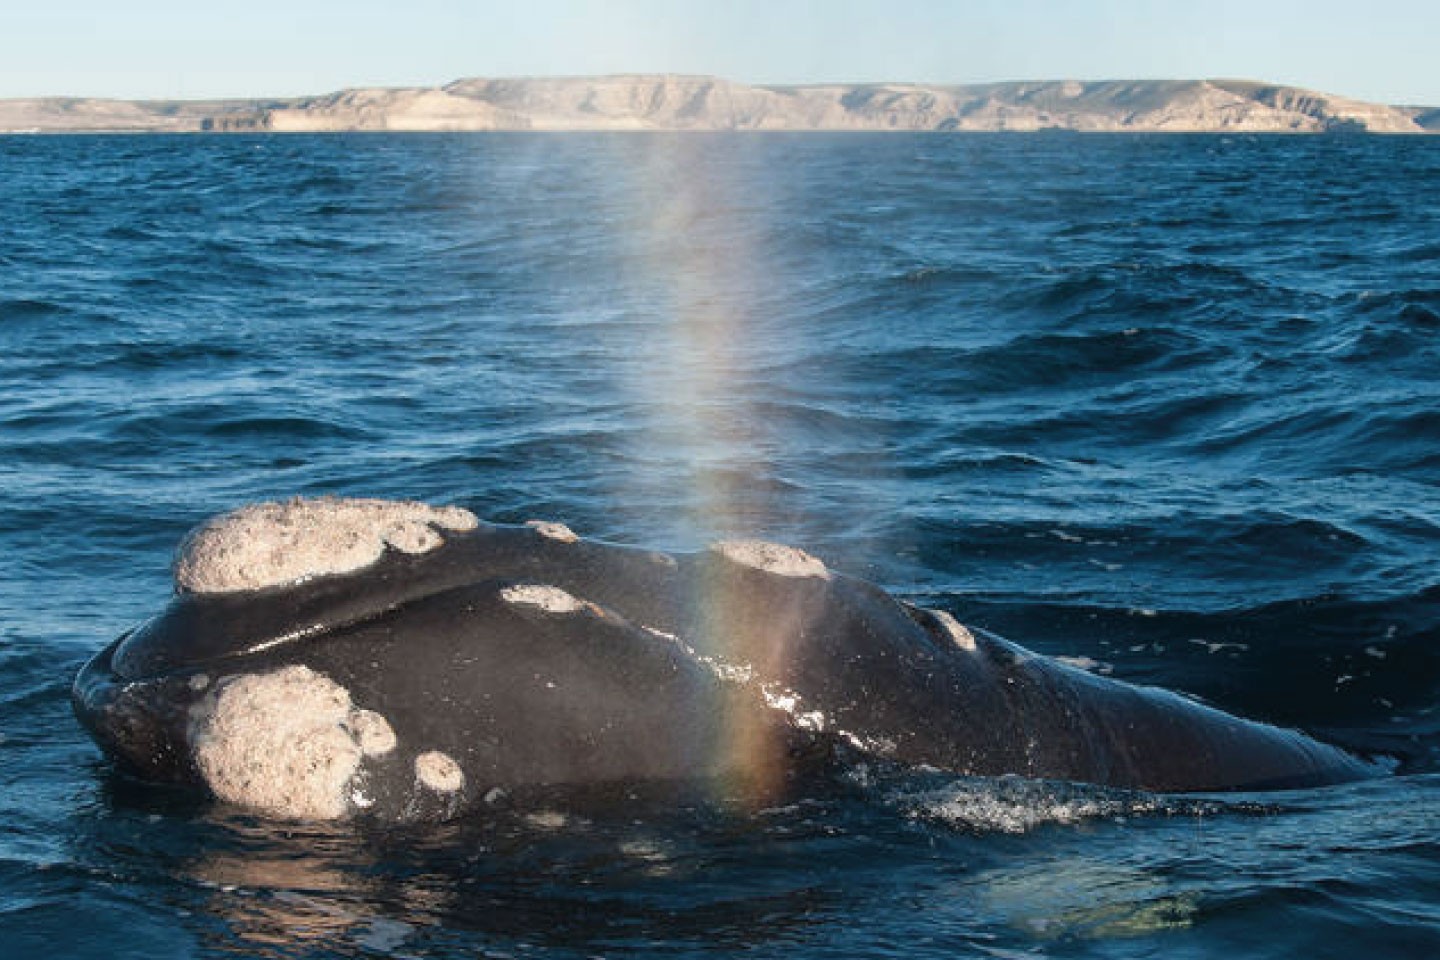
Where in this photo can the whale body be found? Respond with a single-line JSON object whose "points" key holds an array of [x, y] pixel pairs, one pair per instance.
{"points": [[330, 658]]}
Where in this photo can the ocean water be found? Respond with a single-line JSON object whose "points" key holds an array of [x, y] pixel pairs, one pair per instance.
{"points": [[1168, 406]]}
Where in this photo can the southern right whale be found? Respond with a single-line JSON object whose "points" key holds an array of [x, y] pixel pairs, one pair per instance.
{"points": [[330, 658]]}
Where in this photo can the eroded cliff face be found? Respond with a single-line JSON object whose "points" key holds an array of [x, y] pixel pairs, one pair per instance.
{"points": [[1427, 117], [388, 109], [669, 102], [80, 115]]}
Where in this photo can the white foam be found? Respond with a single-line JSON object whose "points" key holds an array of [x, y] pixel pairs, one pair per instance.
{"points": [[1218, 646], [548, 820], [1018, 805], [776, 558], [278, 543], [1088, 664], [650, 855]]}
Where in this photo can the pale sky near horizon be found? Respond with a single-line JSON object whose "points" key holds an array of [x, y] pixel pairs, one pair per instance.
{"points": [[1385, 50]]}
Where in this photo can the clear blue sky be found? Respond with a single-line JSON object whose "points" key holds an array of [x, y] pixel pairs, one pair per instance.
{"points": [[1386, 50]]}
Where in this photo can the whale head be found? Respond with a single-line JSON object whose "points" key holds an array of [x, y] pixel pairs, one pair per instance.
{"points": [[325, 658]]}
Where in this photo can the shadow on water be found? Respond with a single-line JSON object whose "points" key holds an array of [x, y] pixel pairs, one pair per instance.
{"points": [[559, 873], [1007, 864]]}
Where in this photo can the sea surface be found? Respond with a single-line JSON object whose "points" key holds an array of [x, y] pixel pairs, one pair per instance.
{"points": [[1165, 405]]}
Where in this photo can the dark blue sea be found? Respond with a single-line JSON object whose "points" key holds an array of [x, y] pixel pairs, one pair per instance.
{"points": [[1165, 405]]}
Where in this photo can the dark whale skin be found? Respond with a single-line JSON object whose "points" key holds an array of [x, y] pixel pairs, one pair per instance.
{"points": [[664, 668]]}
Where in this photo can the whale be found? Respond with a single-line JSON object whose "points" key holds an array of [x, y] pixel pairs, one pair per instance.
{"points": [[336, 658]]}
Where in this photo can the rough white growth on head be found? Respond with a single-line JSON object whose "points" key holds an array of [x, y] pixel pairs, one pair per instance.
{"points": [[414, 537], [962, 636], [451, 517], [199, 682], [288, 743], [772, 558], [547, 598], [439, 772], [552, 530], [271, 544], [371, 731]]}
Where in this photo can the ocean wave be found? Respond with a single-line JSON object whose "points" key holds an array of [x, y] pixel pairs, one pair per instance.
{"points": [[28, 309], [1160, 406]]}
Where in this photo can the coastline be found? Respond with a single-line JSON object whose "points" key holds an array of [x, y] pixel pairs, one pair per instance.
{"points": [[668, 103]]}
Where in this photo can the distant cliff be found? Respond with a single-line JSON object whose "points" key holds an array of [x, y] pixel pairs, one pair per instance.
{"points": [[667, 102]]}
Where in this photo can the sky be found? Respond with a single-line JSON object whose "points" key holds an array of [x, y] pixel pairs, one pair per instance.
{"points": [[1384, 50]]}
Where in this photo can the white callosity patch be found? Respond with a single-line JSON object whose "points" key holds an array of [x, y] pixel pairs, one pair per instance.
{"points": [[288, 743], [439, 772], [773, 558], [272, 544], [371, 731], [962, 636], [552, 530], [542, 597], [414, 537]]}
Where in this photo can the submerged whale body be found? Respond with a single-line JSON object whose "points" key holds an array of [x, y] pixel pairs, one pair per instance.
{"points": [[332, 658]]}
